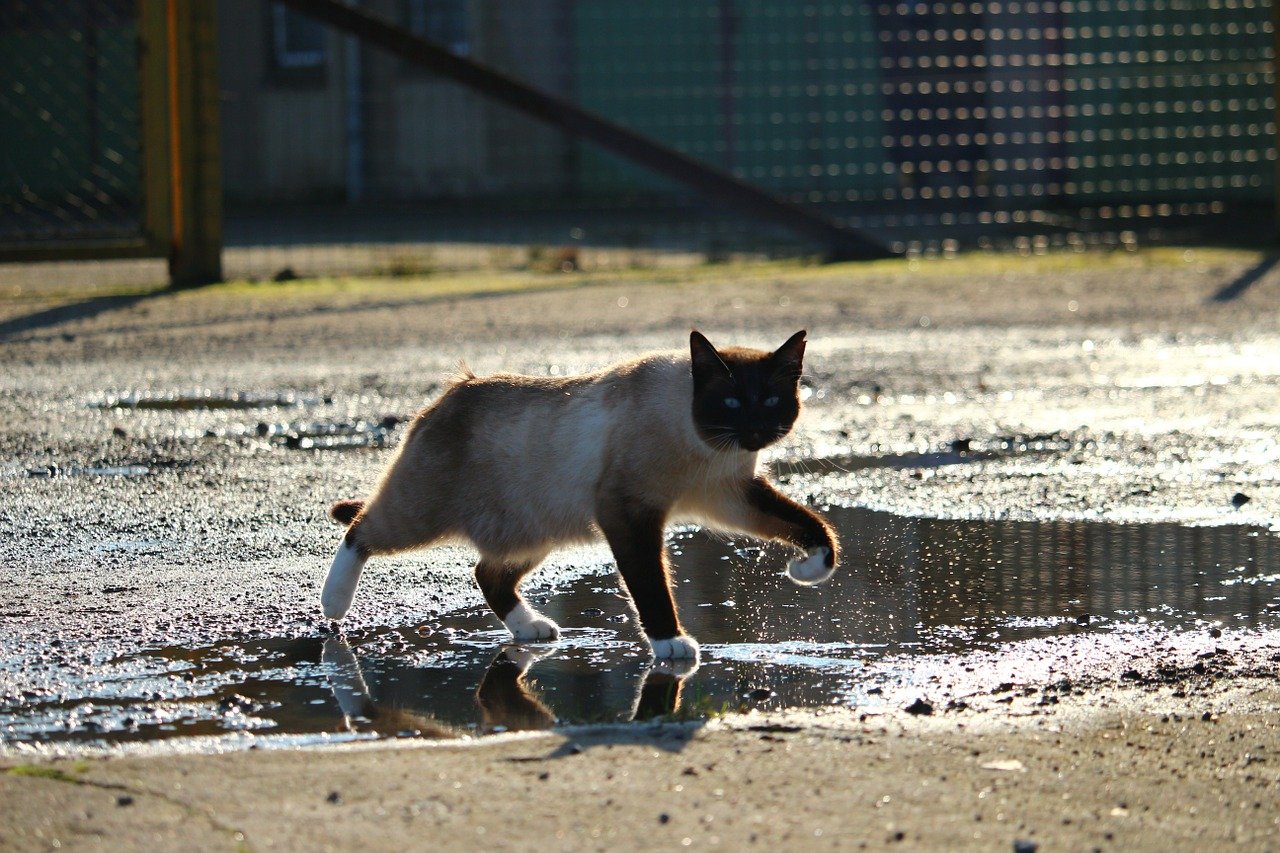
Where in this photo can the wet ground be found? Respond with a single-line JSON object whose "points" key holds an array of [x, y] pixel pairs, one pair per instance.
{"points": [[1031, 496], [919, 605]]}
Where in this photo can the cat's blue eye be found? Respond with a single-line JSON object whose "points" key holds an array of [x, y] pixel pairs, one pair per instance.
{"points": [[771, 402], [732, 403]]}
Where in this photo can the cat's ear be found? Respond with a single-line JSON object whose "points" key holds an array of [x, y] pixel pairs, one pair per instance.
{"points": [[707, 363], [788, 359]]}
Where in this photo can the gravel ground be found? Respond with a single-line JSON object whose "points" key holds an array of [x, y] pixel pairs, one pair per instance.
{"points": [[1136, 387]]}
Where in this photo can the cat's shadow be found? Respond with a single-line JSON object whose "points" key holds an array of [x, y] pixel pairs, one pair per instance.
{"points": [[507, 703]]}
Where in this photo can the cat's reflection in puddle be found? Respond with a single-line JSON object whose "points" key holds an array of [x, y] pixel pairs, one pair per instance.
{"points": [[506, 701], [360, 713]]}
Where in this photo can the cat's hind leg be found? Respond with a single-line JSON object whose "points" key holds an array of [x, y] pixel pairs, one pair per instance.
{"points": [[499, 580], [376, 527], [344, 575]]}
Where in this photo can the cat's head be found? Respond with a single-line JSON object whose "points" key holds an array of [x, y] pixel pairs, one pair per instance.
{"points": [[745, 399]]}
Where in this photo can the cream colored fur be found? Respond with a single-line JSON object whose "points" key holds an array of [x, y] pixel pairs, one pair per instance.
{"points": [[516, 465]]}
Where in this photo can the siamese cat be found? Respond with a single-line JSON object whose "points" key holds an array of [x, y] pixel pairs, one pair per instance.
{"points": [[519, 465]]}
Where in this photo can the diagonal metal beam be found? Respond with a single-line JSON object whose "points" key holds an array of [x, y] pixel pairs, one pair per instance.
{"points": [[724, 187]]}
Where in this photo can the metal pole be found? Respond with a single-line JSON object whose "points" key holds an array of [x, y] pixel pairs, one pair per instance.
{"points": [[1275, 114], [354, 116]]}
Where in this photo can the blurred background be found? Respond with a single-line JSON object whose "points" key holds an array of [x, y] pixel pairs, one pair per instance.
{"points": [[193, 141]]}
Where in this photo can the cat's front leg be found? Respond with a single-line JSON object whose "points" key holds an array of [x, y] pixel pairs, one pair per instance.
{"points": [[775, 516], [500, 583], [816, 566], [636, 535], [505, 699], [681, 647]]}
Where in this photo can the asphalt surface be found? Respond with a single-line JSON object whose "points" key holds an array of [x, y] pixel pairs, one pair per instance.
{"points": [[1129, 388]]}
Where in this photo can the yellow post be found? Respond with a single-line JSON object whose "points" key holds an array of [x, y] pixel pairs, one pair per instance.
{"points": [[182, 178]]}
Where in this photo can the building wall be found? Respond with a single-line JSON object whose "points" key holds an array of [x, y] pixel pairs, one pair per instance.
{"points": [[833, 103], [285, 134], [424, 136], [528, 39], [282, 129]]}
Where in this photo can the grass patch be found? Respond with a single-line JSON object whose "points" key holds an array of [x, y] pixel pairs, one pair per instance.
{"points": [[995, 263], [414, 277], [497, 282], [17, 294], [39, 771]]}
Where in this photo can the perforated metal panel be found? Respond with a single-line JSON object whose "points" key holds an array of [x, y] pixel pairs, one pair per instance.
{"points": [[930, 126], [947, 112]]}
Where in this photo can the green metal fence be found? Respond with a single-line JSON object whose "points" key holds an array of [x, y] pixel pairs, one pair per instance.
{"points": [[926, 124], [108, 133], [1114, 100], [70, 123], [787, 95]]}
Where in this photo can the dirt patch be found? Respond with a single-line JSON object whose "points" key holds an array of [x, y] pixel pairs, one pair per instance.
{"points": [[1153, 376], [1095, 770]]}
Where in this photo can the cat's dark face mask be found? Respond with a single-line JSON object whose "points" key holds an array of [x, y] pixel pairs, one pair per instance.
{"points": [[745, 399]]}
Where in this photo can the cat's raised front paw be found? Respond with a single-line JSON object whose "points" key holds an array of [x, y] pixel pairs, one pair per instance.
{"points": [[813, 568], [529, 626], [679, 647]]}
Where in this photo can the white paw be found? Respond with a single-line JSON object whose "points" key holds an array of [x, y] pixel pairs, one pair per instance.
{"points": [[679, 647], [812, 568], [340, 585], [524, 657], [528, 625], [681, 669]]}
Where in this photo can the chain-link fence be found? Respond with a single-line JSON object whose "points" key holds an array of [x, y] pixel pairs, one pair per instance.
{"points": [[925, 126], [70, 150]]}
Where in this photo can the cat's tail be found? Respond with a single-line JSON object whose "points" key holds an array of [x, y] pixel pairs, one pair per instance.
{"points": [[344, 512]]}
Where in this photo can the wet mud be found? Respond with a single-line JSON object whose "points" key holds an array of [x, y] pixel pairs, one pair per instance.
{"points": [[961, 451], [166, 475], [916, 607], [207, 400]]}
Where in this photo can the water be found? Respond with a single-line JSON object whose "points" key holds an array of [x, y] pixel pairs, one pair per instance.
{"points": [[207, 400], [919, 605]]}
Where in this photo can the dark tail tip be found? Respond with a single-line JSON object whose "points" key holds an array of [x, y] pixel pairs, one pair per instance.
{"points": [[344, 512]]}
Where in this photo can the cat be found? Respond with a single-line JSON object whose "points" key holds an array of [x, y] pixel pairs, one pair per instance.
{"points": [[519, 465]]}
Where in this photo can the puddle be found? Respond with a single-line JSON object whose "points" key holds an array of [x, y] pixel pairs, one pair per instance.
{"points": [[959, 452], [315, 435], [330, 435], [125, 470], [194, 400], [916, 600]]}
